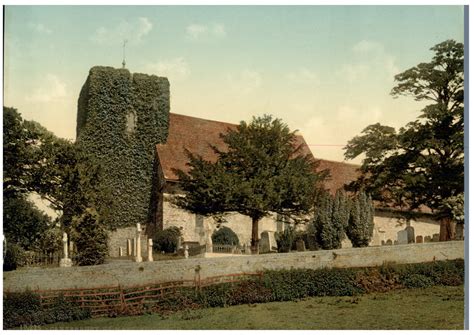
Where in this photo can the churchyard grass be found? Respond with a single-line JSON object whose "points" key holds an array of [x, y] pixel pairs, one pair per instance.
{"points": [[436, 307]]}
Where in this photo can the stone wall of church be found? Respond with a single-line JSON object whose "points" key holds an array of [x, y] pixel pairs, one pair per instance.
{"points": [[196, 228]]}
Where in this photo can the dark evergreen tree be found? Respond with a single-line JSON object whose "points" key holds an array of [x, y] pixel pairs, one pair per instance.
{"points": [[90, 236], [360, 226], [263, 171], [330, 220], [423, 162]]}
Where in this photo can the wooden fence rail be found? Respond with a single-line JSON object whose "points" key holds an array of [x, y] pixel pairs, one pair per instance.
{"points": [[103, 301]]}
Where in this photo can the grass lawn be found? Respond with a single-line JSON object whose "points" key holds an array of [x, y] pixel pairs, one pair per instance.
{"points": [[432, 308]]}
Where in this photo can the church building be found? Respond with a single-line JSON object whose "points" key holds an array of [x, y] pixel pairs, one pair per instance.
{"points": [[124, 121]]}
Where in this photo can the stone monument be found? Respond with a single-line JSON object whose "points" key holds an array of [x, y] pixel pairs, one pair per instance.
{"points": [[138, 255], [65, 262], [150, 250]]}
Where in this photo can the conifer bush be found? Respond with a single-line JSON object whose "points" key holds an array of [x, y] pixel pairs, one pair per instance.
{"points": [[225, 236]]}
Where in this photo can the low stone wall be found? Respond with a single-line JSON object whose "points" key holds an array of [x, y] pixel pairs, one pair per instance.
{"points": [[128, 273]]}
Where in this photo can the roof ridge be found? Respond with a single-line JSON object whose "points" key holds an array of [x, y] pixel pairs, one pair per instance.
{"points": [[203, 119]]}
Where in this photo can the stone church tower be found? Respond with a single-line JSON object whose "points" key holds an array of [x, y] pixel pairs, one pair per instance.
{"points": [[120, 118]]}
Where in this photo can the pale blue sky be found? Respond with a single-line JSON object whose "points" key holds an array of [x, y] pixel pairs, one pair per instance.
{"points": [[325, 70]]}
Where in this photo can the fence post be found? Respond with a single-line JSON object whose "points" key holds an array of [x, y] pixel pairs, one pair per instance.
{"points": [[197, 278]]}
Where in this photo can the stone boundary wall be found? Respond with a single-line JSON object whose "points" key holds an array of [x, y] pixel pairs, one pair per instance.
{"points": [[128, 273]]}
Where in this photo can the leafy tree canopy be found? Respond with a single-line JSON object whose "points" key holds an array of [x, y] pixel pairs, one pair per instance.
{"points": [[423, 162], [262, 171]]}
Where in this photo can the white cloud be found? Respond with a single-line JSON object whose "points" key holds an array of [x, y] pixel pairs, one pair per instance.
{"points": [[133, 31], [246, 81], [40, 28], [354, 72], [174, 69], [51, 89], [303, 75], [198, 31], [371, 59]]}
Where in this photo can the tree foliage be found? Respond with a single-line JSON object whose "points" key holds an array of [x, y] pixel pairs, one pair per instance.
{"points": [[262, 171], [360, 225], [36, 161], [23, 223], [90, 236], [423, 162]]}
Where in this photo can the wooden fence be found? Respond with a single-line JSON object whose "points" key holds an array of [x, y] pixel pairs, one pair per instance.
{"points": [[113, 300]]}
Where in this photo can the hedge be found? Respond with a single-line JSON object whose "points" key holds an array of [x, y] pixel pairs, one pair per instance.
{"points": [[107, 99], [23, 309], [274, 285]]}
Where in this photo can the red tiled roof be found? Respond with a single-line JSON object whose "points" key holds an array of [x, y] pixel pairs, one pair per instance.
{"points": [[340, 174], [196, 135]]}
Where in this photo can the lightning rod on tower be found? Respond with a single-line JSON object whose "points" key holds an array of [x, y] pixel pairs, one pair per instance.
{"points": [[123, 61]]}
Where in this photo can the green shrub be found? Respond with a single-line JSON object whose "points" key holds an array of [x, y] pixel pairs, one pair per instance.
{"points": [[13, 257], [225, 236], [416, 280], [285, 239], [167, 239], [24, 309], [300, 283]]}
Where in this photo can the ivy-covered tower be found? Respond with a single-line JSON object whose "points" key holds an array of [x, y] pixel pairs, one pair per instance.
{"points": [[120, 118]]}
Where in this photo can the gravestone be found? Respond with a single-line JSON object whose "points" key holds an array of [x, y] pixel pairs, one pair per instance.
{"points": [[186, 251], [419, 239], [435, 238], [402, 237], [383, 242], [267, 242], [389, 242], [150, 250], [410, 234], [300, 245], [427, 239], [129, 247], [138, 250]]}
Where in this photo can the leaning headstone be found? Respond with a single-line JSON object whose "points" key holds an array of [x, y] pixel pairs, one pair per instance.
{"points": [[435, 238], [65, 262], [427, 239], [267, 241], [410, 234], [419, 239], [300, 245], [402, 237], [389, 242]]}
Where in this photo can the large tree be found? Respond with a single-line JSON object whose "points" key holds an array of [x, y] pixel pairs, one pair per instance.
{"points": [[423, 162], [262, 171], [36, 161]]}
